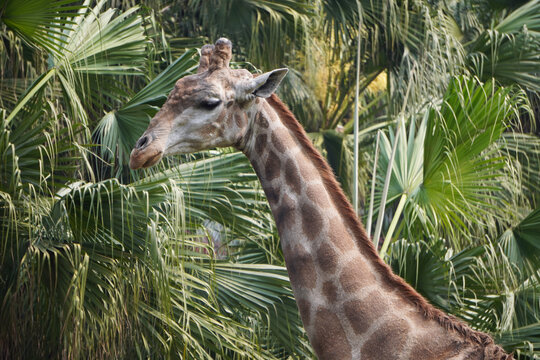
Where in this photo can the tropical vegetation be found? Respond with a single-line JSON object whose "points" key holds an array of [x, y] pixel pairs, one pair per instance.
{"points": [[183, 260]]}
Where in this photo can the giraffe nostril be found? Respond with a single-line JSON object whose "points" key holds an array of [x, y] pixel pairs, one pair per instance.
{"points": [[142, 142]]}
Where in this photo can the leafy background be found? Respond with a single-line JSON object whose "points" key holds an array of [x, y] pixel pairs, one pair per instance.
{"points": [[183, 260]]}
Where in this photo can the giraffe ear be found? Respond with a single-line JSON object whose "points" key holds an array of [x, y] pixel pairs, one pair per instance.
{"points": [[264, 85], [204, 62]]}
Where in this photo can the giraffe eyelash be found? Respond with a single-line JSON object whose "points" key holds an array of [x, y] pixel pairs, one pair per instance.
{"points": [[210, 104]]}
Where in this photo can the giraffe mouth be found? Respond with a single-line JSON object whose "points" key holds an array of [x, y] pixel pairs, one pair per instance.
{"points": [[141, 159]]}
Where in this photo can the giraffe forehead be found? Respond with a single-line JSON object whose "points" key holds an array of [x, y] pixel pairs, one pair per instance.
{"points": [[192, 87], [219, 84]]}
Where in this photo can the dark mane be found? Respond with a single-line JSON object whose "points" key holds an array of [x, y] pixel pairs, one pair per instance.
{"points": [[366, 246]]}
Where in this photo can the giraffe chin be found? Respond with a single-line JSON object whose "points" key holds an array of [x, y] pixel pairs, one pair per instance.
{"points": [[138, 160]]}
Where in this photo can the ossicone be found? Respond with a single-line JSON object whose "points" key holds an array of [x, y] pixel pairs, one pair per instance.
{"points": [[204, 62], [221, 54]]}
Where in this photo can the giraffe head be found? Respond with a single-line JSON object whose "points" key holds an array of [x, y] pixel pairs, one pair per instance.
{"points": [[205, 110]]}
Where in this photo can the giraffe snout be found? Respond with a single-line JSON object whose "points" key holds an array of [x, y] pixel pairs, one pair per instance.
{"points": [[145, 153]]}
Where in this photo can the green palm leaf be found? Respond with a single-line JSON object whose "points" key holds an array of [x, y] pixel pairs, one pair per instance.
{"points": [[510, 51], [525, 149], [95, 43], [105, 42], [40, 22], [213, 188], [503, 300], [120, 224], [527, 232], [522, 243], [432, 269], [446, 173], [526, 15]]}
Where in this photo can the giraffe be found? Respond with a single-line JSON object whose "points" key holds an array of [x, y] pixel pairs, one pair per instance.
{"points": [[351, 304]]}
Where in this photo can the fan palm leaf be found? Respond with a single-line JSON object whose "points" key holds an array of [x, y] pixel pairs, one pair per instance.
{"points": [[445, 172], [182, 300], [95, 43], [510, 50], [40, 22], [93, 208]]}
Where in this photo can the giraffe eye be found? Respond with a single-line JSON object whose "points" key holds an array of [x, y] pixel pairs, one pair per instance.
{"points": [[210, 104]]}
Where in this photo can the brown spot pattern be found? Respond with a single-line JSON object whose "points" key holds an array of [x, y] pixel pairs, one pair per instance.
{"points": [[261, 121], [220, 131], [301, 267], [278, 141], [272, 194], [312, 221], [329, 339], [285, 214], [356, 275], [273, 166], [238, 120], [292, 177], [330, 291], [229, 120], [438, 347], [387, 341], [260, 143], [436, 342], [209, 130], [327, 258], [304, 307], [361, 314], [340, 237], [222, 116], [257, 166]]}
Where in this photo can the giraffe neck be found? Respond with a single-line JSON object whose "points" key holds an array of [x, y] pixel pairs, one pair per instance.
{"points": [[349, 308]]}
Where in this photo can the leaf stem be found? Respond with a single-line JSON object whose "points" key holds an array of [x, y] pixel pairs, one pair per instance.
{"points": [[373, 179], [393, 224], [389, 171], [358, 63]]}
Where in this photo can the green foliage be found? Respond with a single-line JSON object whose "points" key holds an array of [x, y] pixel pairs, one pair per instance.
{"points": [[116, 268], [521, 243], [97, 261], [40, 22], [459, 172], [446, 170]]}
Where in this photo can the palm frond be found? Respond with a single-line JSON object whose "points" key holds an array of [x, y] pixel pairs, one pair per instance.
{"points": [[456, 165], [183, 300], [94, 43], [446, 171], [40, 22], [521, 244], [510, 50], [105, 42], [525, 149]]}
